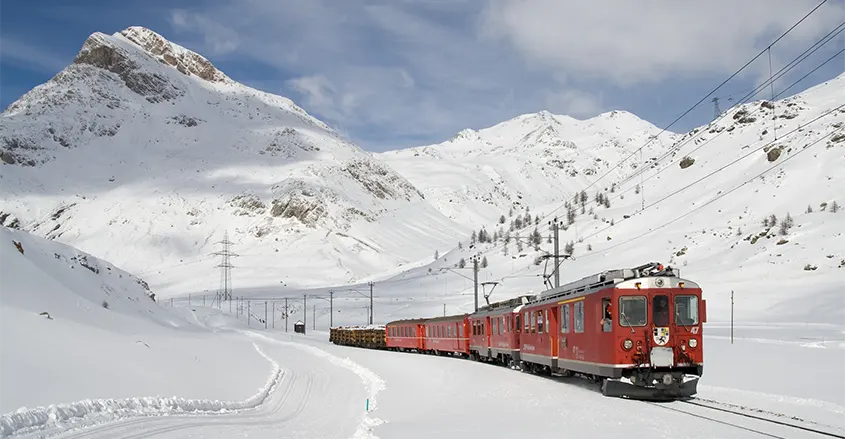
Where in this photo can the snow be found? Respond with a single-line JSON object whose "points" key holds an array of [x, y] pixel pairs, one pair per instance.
{"points": [[192, 158]]}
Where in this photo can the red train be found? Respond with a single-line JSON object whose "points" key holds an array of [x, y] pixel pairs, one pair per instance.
{"points": [[638, 331]]}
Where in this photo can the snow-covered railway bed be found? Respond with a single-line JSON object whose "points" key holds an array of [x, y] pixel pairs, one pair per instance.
{"points": [[749, 419]]}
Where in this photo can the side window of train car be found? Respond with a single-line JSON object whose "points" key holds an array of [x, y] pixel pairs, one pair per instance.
{"points": [[525, 323], [533, 322], [606, 316], [686, 310], [516, 324], [579, 316], [539, 321], [633, 311], [564, 319]]}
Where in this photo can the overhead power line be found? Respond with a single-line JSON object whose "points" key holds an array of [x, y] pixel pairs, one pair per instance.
{"points": [[545, 217]]}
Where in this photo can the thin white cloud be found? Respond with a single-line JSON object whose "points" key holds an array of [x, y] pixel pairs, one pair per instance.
{"points": [[31, 56], [402, 73], [646, 41]]}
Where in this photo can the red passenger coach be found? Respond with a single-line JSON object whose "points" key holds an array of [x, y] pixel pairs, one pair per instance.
{"points": [[405, 335], [449, 334], [638, 331], [618, 325], [495, 331]]}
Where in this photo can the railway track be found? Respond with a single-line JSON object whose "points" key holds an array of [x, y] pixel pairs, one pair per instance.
{"points": [[728, 408]]}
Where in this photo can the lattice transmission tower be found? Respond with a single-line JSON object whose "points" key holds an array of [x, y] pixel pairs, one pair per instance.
{"points": [[224, 292]]}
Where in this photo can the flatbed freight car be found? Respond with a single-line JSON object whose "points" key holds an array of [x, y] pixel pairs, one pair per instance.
{"points": [[371, 337]]}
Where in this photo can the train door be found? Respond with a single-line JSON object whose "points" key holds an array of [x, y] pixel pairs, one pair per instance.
{"points": [[552, 331], [543, 337], [420, 336], [604, 328]]}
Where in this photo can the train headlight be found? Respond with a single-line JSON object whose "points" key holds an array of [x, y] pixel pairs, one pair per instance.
{"points": [[627, 344], [693, 343]]}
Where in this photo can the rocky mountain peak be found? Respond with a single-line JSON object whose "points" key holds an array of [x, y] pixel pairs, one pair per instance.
{"points": [[185, 61]]}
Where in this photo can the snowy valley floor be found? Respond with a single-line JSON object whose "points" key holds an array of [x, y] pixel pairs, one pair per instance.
{"points": [[322, 392]]}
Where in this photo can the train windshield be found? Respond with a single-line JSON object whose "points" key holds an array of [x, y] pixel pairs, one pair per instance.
{"points": [[632, 311], [660, 307], [686, 310]]}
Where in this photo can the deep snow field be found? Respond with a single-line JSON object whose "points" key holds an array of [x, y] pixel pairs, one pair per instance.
{"points": [[213, 374]]}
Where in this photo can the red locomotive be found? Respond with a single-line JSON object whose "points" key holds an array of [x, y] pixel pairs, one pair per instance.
{"points": [[638, 331]]}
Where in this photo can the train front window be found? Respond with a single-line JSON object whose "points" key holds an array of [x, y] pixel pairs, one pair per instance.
{"points": [[686, 310], [660, 305], [633, 311]]}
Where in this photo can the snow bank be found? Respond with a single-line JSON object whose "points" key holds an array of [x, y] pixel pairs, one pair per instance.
{"points": [[98, 411]]}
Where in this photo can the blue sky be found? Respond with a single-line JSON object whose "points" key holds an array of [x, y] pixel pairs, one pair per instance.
{"points": [[398, 73]]}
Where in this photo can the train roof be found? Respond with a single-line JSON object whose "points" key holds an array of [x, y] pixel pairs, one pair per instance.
{"points": [[623, 277], [405, 321], [504, 306], [447, 318]]}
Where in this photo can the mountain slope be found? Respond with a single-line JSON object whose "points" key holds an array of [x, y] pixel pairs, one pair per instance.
{"points": [[143, 153], [531, 160], [705, 206], [74, 328]]}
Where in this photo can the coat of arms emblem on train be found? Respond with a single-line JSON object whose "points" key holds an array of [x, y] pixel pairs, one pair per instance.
{"points": [[661, 336]]}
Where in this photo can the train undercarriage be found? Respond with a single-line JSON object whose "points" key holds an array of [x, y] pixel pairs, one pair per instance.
{"points": [[647, 384], [656, 384]]}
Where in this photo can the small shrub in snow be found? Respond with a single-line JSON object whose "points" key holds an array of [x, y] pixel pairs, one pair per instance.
{"points": [[436, 255], [686, 162], [834, 207], [810, 267], [809, 209], [589, 247], [773, 154], [786, 224], [105, 304]]}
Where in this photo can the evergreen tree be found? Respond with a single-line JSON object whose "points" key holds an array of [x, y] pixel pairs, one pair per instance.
{"points": [[436, 255], [462, 263], [460, 246], [484, 262], [502, 219], [518, 243], [472, 238], [537, 220]]}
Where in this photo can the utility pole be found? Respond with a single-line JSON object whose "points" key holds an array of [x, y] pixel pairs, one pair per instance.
{"points": [[444, 310], [555, 226], [286, 314], [371, 303], [274, 314], [475, 278], [314, 320], [716, 111], [331, 309], [265, 314], [304, 312]]}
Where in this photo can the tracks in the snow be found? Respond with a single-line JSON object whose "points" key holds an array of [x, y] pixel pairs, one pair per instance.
{"points": [[713, 406]]}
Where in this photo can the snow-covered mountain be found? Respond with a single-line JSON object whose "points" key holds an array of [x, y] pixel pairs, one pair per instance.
{"points": [[143, 153], [531, 160], [748, 203]]}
